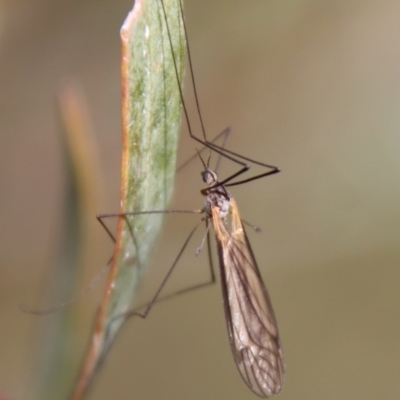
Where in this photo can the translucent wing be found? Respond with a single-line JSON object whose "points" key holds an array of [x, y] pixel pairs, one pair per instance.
{"points": [[252, 327]]}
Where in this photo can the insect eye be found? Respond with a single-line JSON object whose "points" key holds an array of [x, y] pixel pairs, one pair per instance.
{"points": [[206, 176]]}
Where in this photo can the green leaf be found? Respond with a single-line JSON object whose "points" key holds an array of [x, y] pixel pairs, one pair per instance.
{"points": [[151, 111]]}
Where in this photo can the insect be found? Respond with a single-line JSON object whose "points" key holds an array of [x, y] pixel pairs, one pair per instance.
{"points": [[251, 322], [252, 327]]}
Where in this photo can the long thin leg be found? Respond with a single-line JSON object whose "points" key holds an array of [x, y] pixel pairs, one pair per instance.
{"points": [[226, 132], [88, 288], [157, 299], [164, 281], [218, 149], [255, 227], [210, 259], [130, 213], [223, 183], [253, 178], [226, 137], [80, 295], [136, 312], [200, 248]]}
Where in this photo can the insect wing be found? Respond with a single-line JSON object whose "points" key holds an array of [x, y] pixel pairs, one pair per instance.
{"points": [[252, 327]]}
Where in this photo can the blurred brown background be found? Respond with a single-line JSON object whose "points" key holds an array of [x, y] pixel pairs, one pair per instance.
{"points": [[311, 86]]}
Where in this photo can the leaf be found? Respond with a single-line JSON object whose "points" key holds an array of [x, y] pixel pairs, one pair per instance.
{"points": [[55, 367], [151, 110]]}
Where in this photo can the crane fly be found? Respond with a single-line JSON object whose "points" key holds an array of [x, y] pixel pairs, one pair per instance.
{"points": [[250, 319], [252, 327]]}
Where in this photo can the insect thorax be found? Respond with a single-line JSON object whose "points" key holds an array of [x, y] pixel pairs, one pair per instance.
{"points": [[220, 198]]}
